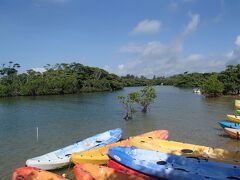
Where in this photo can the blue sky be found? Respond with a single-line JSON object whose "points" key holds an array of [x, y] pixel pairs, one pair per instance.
{"points": [[140, 37]]}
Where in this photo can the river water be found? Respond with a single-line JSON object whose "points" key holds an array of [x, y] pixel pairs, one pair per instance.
{"points": [[62, 120]]}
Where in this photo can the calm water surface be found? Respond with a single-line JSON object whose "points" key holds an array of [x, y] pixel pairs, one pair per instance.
{"points": [[62, 120]]}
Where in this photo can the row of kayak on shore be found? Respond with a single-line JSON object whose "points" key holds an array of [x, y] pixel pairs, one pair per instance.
{"points": [[146, 156], [232, 125]]}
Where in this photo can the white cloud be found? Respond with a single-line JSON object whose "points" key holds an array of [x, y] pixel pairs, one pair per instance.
{"points": [[107, 68], [41, 70], [147, 26], [200, 63], [156, 58], [192, 25], [233, 57], [237, 42], [121, 66]]}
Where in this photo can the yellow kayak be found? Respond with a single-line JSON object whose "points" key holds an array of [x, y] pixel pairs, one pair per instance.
{"points": [[237, 104], [233, 118], [99, 155], [184, 149]]}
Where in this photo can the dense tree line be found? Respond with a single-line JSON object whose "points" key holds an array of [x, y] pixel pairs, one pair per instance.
{"points": [[186, 80], [226, 82], [58, 79], [76, 78]]}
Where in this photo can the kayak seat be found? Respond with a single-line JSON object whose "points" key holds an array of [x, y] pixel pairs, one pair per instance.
{"points": [[161, 162], [186, 151]]}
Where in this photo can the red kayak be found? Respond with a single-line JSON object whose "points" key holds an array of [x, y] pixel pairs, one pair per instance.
{"points": [[32, 173], [121, 168], [95, 172]]}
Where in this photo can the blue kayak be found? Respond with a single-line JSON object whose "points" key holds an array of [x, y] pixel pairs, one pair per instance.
{"points": [[169, 166], [61, 157], [227, 124]]}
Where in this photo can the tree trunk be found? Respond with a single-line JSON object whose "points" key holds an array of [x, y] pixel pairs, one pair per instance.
{"points": [[128, 114], [145, 107]]}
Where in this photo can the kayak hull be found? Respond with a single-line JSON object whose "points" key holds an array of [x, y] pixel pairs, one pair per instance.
{"points": [[233, 118], [237, 104], [189, 150], [169, 166], [124, 169], [31, 173], [99, 155], [60, 158], [233, 133], [227, 124], [238, 111], [92, 172]]}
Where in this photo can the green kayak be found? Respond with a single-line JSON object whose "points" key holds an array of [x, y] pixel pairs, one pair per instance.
{"points": [[238, 111]]}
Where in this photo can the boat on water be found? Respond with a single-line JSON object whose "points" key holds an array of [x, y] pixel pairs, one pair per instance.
{"points": [[61, 157], [197, 91]]}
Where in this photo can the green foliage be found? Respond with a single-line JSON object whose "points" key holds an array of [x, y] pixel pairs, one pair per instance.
{"points": [[127, 103], [187, 80], [76, 78], [231, 79], [130, 80], [144, 97], [58, 79], [213, 87], [3, 90], [10, 69]]}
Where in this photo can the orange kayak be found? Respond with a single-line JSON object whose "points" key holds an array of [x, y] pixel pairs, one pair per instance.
{"points": [[99, 155], [233, 133], [32, 173], [95, 172]]}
